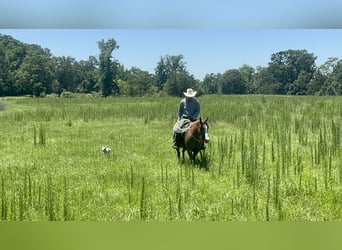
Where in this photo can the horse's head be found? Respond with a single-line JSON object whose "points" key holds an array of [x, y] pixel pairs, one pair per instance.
{"points": [[204, 129]]}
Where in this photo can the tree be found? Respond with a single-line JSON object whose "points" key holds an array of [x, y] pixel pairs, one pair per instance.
{"points": [[35, 74], [300, 85], [232, 82], [178, 82], [107, 81], [88, 71], [247, 73], [264, 82], [161, 74], [286, 66], [66, 74], [167, 66], [334, 81], [12, 54], [211, 83], [316, 83], [321, 82], [3, 70], [138, 82]]}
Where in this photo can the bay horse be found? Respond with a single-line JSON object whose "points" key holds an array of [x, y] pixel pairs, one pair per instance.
{"points": [[194, 138]]}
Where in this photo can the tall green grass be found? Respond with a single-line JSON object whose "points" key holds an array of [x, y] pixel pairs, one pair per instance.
{"points": [[269, 158]]}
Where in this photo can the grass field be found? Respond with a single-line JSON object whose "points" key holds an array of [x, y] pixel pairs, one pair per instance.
{"points": [[270, 158]]}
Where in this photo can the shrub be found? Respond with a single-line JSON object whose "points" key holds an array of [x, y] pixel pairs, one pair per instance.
{"points": [[67, 94]]}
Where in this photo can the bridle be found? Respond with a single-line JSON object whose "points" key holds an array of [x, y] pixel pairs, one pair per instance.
{"points": [[202, 135]]}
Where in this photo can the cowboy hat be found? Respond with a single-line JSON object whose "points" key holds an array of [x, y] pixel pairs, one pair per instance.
{"points": [[190, 93]]}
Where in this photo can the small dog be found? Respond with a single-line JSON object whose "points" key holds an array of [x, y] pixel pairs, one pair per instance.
{"points": [[106, 150]]}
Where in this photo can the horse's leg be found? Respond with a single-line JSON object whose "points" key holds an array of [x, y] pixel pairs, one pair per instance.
{"points": [[178, 153], [194, 155], [183, 153], [190, 154], [201, 154]]}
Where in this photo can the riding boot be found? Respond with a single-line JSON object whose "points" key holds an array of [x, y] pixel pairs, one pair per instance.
{"points": [[175, 144]]}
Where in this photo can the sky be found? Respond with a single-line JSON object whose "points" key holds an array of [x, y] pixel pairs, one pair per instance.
{"points": [[205, 50], [212, 35], [171, 14]]}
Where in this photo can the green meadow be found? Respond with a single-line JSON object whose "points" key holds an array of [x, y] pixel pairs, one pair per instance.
{"points": [[270, 158]]}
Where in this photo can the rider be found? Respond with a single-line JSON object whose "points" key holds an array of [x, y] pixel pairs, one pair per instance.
{"points": [[189, 108]]}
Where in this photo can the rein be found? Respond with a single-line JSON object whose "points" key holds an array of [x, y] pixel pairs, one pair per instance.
{"points": [[196, 139]]}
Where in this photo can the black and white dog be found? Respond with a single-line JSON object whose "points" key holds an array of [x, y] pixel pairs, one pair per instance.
{"points": [[106, 150]]}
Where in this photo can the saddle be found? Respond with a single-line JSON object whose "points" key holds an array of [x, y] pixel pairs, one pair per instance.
{"points": [[182, 126]]}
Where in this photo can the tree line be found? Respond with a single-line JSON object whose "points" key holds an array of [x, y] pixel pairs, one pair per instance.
{"points": [[29, 69]]}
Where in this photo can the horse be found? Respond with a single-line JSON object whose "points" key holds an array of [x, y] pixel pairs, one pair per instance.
{"points": [[193, 139]]}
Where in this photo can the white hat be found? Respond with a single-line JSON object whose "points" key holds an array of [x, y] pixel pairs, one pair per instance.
{"points": [[190, 93]]}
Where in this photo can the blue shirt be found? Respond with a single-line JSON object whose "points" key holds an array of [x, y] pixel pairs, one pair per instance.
{"points": [[189, 108]]}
